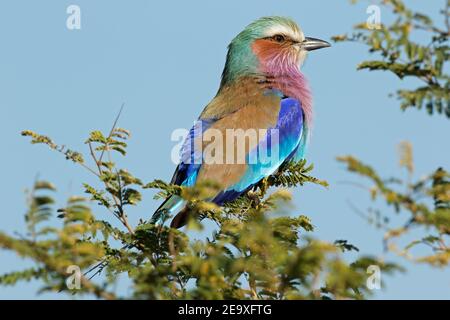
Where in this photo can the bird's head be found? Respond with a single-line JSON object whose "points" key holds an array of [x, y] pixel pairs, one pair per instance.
{"points": [[268, 45]]}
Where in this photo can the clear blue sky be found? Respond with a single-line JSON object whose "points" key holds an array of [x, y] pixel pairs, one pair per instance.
{"points": [[163, 59]]}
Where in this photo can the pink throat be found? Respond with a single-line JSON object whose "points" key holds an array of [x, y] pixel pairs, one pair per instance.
{"points": [[288, 79]]}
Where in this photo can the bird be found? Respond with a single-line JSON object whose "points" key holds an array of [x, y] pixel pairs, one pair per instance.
{"points": [[263, 89]]}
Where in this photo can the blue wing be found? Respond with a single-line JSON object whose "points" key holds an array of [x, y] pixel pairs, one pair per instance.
{"points": [[186, 172], [191, 155], [282, 143], [289, 144]]}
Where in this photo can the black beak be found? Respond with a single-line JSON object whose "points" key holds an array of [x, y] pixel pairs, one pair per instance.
{"points": [[313, 44]]}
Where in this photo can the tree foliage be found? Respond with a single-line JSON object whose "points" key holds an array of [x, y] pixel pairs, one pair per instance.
{"points": [[426, 200], [253, 252], [399, 53]]}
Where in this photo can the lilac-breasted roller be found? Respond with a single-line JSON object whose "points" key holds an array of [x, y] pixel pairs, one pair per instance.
{"points": [[261, 88]]}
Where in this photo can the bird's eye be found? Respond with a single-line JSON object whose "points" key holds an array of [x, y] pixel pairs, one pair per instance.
{"points": [[279, 38]]}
